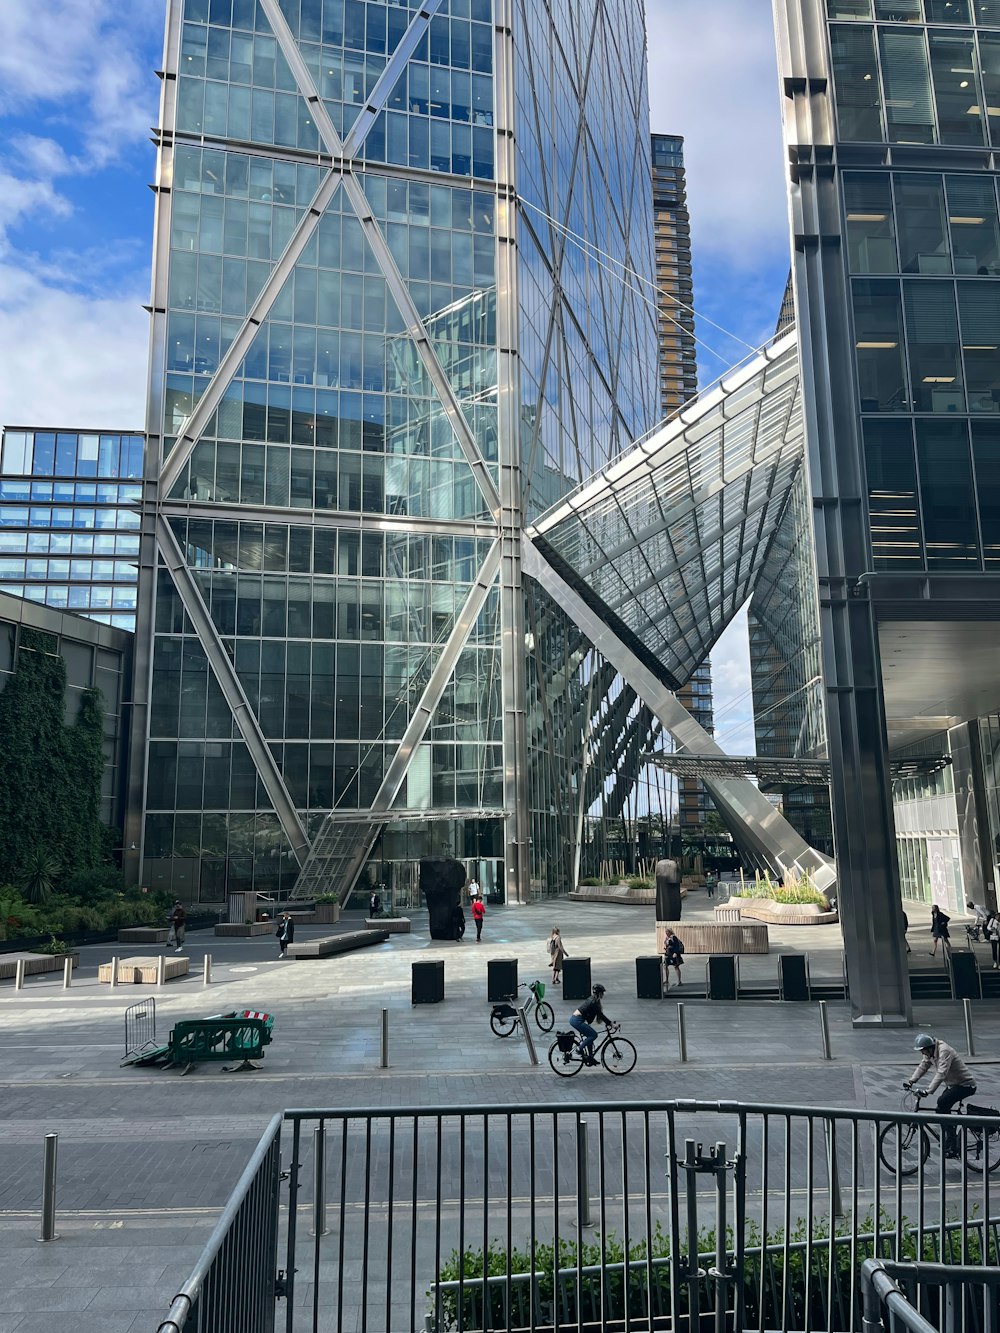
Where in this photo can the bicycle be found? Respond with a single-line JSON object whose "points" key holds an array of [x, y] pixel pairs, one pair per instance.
{"points": [[904, 1148], [504, 1017], [617, 1054]]}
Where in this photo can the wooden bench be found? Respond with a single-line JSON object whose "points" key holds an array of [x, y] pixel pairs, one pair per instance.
{"points": [[723, 937], [34, 963], [144, 970], [143, 935], [328, 945]]}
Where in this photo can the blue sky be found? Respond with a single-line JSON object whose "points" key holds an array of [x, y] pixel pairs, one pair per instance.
{"points": [[78, 97]]}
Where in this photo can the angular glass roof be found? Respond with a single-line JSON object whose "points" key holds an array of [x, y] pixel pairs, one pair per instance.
{"points": [[671, 536]]}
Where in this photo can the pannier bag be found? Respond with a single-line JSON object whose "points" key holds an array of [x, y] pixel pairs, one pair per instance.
{"points": [[566, 1040]]}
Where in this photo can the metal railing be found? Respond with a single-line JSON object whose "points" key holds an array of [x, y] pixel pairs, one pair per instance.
{"points": [[929, 1298], [235, 1283], [691, 1214]]}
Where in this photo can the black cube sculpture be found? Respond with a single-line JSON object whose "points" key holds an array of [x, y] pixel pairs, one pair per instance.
{"points": [[441, 882]]}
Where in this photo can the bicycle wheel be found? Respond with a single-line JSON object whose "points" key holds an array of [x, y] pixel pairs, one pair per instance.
{"points": [[982, 1150], [544, 1016], [501, 1025], [903, 1147], [618, 1055], [565, 1063]]}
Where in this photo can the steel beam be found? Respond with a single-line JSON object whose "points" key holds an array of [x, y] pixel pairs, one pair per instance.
{"points": [[777, 841], [229, 682]]}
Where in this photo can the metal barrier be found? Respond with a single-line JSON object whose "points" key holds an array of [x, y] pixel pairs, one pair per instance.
{"points": [[740, 1216], [930, 1298], [235, 1283], [140, 1027]]}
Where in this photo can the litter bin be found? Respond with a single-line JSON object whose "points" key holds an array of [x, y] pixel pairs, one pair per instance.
{"points": [[501, 979], [427, 986], [649, 978], [722, 976], [575, 978], [965, 983], [793, 976]]}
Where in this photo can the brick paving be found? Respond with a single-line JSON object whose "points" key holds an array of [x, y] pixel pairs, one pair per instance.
{"points": [[148, 1157]]}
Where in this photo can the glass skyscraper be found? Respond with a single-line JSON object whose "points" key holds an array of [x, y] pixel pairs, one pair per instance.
{"points": [[892, 119], [69, 520], [388, 326]]}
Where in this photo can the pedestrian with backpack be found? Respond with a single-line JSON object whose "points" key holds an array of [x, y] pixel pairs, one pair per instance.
{"points": [[673, 955]]}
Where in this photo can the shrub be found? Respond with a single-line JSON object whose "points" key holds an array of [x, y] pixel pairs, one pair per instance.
{"points": [[325, 898], [796, 890], [591, 882], [53, 946], [16, 916], [640, 882]]}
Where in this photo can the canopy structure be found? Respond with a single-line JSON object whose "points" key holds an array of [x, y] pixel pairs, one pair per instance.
{"points": [[654, 556]]}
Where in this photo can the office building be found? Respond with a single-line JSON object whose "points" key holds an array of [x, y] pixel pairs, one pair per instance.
{"points": [[69, 520], [678, 385], [891, 124], [382, 339]]}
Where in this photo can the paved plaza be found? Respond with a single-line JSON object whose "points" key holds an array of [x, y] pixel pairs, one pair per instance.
{"points": [[148, 1157]]}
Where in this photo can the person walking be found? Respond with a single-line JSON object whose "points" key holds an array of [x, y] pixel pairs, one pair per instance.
{"points": [[710, 884], [285, 934], [375, 904], [178, 925], [474, 891], [939, 931], [673, 955], [993, 935], [557, 952], [478, 915], [949, 1070], [906, 927], [458, 922]]}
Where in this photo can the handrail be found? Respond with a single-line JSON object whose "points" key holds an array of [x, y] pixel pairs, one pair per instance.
{"points": [[185, 1300]]}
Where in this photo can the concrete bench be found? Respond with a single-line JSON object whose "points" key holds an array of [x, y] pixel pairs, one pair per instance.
{"points": [[34, 963], [612, 893], [328, 945], [724, 937], [143, 935], [144, 970]]}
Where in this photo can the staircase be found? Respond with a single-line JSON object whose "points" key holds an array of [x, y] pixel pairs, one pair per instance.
{"points": [[337, 856]]}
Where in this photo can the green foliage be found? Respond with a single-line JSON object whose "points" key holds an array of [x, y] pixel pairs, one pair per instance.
{"points": [[796, 890], [326, 898], [16, 916], [800, 1284], [38, 876], [591, 882], [53, 946], [50, 780], [641, 882]]}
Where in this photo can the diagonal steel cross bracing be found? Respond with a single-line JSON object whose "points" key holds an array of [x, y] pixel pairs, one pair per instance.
{"points": [[774, 839], [340, 849], [229, 682]]}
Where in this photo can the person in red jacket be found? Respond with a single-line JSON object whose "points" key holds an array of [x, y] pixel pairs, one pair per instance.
{"points": [[478, 913]]}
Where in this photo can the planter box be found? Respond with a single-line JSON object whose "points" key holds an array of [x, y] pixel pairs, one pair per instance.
{"points": [[781, 914], [256, 928], [703, 937], [144, 971], [143, 935], [34, 963], [326, 914], [399, 925]]}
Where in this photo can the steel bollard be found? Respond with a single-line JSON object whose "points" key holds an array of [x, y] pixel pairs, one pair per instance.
{"points": [[529, 1041], [161, 970], [682, 1039], [114, 972], [206, 972], [19, 974], [824, 1031], [49, 1187], [384, 1059], [833, 1167], [67, 972], [319, 1180], [970, 1041], [583, 1174]]}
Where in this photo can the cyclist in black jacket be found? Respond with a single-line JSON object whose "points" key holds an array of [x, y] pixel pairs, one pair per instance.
{"points": [[589, 1012]]}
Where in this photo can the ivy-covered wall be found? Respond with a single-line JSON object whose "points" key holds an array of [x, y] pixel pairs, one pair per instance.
{"points": [[50, 773]]}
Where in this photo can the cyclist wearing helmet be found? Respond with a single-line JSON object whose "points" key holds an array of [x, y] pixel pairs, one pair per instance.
{"points": [[949, 1070], [589, 1012]]}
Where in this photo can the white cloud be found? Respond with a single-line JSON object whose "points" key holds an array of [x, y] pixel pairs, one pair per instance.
{"points": [[713, 78], [68, 359]]}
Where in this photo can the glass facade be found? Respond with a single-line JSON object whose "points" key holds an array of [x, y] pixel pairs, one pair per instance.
{"points": [[69, 520], [338, 415]]}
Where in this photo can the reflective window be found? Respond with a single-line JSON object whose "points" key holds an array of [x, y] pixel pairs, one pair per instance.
{"points": [[871, 240], [956, 90], [986, 457], [933, 344], [898, 11], [905, 74], [893, 502], [949, 511], [972, 216], [878, 333], [855, 71], [989, 52], [922, 222], [979, 316]]}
